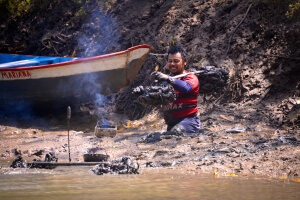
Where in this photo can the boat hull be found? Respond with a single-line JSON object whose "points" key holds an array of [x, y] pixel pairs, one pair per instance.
{"points": [[75, 80]]}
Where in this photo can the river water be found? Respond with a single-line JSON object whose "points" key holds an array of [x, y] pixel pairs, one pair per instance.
{"points": [[81, 183]]}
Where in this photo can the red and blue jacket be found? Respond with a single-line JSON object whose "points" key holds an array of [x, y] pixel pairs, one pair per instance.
{"points": [[185, 105]]}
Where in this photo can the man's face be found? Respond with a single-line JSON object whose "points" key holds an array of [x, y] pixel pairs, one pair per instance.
{"points": [[176, 63]]}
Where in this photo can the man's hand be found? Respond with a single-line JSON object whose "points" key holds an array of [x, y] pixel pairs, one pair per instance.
{"points": [[160, 76]]}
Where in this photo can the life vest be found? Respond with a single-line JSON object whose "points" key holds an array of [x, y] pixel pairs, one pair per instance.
{"points": [[186, 103]]}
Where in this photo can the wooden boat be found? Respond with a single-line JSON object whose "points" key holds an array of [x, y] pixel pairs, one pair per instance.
{"points": [[44, 79]]}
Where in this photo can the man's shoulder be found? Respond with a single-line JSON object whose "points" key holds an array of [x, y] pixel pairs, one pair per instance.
{"points": [[191, 76], [192, 79]]}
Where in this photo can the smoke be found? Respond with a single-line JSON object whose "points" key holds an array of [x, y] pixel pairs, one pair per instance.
{"points": [[97, 35], [100, 101]]}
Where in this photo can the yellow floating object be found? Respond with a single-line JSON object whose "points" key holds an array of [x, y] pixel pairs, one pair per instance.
{"points": [[231, 174], [283, 178], [143, 143], [296, 180]]}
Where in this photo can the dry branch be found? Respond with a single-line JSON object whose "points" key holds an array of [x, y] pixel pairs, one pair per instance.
{"points": [[231, 36]]}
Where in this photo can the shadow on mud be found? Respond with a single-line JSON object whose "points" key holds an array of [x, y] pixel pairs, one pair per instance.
{"points": [[44, 117]]}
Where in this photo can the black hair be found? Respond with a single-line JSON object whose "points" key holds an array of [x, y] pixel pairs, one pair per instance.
{"points": [[178, 49]]}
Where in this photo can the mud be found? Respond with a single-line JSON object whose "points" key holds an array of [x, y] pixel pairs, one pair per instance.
{"points": [[226, 145], [250, 127]]}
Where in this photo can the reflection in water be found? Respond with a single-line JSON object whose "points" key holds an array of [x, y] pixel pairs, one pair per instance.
{"points": [[80, 183]]}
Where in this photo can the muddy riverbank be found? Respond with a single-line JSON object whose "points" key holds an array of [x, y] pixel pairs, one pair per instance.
{"points": [[227, 146]]}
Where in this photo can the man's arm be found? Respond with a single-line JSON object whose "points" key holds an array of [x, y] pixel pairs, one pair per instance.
{"points": [[179, 85]]}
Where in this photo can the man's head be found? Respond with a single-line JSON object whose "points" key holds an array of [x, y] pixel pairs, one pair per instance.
{"points": [[177, 59]]}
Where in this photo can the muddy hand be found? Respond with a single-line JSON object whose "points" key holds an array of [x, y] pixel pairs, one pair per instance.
{"points": [[160, 76]]}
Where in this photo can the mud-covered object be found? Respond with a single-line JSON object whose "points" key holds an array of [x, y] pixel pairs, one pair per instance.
{"points": [[156, 94], [123, 165], [177, 131], [212, 80], [19, 162], [50, 157], [151, 138]]}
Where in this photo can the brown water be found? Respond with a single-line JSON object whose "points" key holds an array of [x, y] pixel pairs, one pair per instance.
{"points": [[80, 183]]}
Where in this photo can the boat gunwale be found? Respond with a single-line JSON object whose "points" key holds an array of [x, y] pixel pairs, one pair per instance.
{"points": [[79, 60]]}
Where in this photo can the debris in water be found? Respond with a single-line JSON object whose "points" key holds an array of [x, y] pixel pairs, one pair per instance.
{"points": [[231, 174], [123, 165], [19, 162]]}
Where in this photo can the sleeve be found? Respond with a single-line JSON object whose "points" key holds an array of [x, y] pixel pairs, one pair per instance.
{"points": [[192, 79], [181, 86]]}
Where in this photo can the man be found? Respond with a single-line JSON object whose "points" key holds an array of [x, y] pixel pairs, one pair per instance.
{"points": [[181, 113]]}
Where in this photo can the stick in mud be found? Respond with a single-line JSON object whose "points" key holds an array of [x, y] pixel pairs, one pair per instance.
{"points": [[68, 118]]}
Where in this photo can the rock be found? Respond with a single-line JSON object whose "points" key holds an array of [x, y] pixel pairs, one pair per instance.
{"points": [[151, 138], [223, 150], [160, 153], [16, 152], [39, 152], [234, 155], [236, 130]]}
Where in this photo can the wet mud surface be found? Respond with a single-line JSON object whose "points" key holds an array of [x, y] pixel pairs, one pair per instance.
{"points": [[226, 146]]}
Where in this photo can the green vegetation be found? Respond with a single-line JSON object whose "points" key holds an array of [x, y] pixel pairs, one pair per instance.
{"points": [[291, 7], [173, 41], [15, 7], [81, 13], [18, 8], [77, 2]]}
